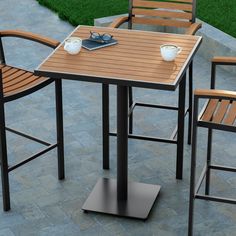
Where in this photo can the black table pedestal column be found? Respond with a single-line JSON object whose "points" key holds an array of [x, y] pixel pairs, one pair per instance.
{"points": [[120, 197]]}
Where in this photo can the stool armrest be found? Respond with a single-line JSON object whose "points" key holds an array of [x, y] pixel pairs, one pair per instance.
{"points": [[30, 36], [229, 61], [119, 21], [193, 28], [213, 93], [224, 60]]}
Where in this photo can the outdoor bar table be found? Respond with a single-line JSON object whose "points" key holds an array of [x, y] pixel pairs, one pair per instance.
{"points": [[135, 61]]}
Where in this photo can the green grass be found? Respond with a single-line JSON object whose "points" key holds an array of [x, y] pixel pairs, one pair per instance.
{"points": [[219, 13]]}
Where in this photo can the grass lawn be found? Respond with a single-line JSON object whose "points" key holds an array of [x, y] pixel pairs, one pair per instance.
{"points": [[219, 13]]}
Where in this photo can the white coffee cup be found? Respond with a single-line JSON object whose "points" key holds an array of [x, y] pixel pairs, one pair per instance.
{"points": [[169, 51], [73, 45]]}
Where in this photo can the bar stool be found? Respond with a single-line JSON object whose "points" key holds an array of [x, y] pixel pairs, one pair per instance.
{"points": [[14, 84], [218, 113], [177, 15]]}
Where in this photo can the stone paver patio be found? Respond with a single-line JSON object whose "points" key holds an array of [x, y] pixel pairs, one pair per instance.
{"points": [[42, 205]]}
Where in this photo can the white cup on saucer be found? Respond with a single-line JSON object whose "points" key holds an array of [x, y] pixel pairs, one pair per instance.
{"points": [[169, 51], [73, 45]]}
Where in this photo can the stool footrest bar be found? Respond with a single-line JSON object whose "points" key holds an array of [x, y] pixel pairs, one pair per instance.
{"points": [[216, 199], [148, 138], [156, 106], [32, 157], [224, 168], [27, 136]]}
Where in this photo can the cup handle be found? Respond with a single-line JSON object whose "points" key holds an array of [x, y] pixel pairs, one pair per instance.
{"points": [[66, 46], [179, 50]]}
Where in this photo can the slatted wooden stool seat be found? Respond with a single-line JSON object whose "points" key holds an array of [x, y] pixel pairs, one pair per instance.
{"points": [[178, 14], [16, 83], [218, 113]]}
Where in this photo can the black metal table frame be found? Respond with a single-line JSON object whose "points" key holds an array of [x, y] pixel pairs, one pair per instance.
{"points": [[178, 130], [122, 207]]}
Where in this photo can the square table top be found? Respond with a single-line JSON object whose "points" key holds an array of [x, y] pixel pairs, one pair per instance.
{"points": [[135, 61]]}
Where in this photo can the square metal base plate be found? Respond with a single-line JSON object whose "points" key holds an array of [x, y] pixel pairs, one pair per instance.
{"points": [[103, 199]]}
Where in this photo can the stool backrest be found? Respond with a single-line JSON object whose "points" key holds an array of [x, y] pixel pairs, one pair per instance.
{"points": [[174, 13]]}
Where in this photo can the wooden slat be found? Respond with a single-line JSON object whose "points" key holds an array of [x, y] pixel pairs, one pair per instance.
{"points": [[224, 60], [162, 13], [10, 72], [5, 68], [133, 50], [85, 30], [231, 115], [120, 61], [25, 87], [31, 36], [8, 83], [133, 41], [112, 69], [16, 80], [119, 54], [186, 1], [11, 77], [24, 83], [165, 5], [140, 49], [142, 38], [109, 67], [162, 22], [110, 75], [210, 109], [220, 113], [215, 93]]}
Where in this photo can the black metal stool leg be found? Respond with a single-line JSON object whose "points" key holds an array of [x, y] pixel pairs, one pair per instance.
{"points": [[192, 173], [59, 122], [190, 102], [105, 125], [131, 114], [208, 173], [180, 137], [4, 162]]}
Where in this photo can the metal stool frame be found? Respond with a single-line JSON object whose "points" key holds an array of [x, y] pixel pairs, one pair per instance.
{"points": [[5, 168], [197, 122]]}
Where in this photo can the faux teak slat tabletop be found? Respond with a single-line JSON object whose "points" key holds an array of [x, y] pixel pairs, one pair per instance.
{"points": [[134, 61]]}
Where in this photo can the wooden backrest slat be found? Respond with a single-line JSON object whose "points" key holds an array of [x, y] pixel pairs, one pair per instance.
{"points": [[210, 109], [165, 5], [161, 22], [221, 111], [176, 13], [231, 116], [162, 13], [186, 1]]}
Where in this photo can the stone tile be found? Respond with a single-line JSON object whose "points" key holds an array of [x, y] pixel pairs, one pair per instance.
{"points": [[32, 212], [6, 232], [61, 230]]}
